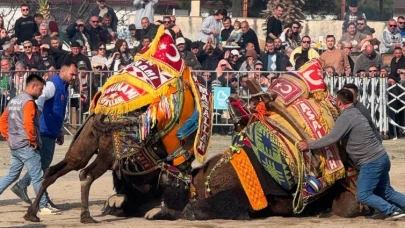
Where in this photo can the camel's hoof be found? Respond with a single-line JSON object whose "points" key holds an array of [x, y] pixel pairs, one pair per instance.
{"points": [[162, 213], [188, 212], [113, 205], [87, 219], [31, 218]]}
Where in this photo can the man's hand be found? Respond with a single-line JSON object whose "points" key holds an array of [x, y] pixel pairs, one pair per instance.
{"points": [[303, 145], [391, 81], [61, 139]]}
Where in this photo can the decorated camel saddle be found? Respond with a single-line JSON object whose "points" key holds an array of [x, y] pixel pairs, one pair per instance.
{"points": [[296, 107], [167, 110]]}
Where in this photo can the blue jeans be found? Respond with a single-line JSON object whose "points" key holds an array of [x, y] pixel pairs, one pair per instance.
{"points": [[374, 188], [46, 153], [29, 157]]}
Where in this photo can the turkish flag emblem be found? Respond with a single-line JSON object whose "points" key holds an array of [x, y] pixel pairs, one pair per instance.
{"points": [[311, 72], [167, 53]]}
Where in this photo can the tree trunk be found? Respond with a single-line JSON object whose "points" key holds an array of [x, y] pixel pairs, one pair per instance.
{"points": [[237, 8]]}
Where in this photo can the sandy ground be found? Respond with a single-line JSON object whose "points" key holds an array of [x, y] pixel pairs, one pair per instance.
{"points": [[66, 194]]}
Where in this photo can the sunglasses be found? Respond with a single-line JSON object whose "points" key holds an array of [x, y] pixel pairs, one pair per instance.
{"points": [[26, 47], [401, 22], [173, 22], [393, 26], [372, 71], [167, 22], [101, 49], [206, 75], [25, 10], [360, 23], [350, 48], [402, 73], [295, 27], [94, 21], [306, 42]]}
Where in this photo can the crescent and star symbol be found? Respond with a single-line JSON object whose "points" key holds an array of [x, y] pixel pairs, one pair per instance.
{"points": [[284, 88], [307, 76]]}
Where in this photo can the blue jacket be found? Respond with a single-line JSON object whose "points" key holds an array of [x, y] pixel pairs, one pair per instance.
{"points": [[54, 110]]}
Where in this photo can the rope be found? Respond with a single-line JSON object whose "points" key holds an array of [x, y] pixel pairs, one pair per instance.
{"points": [[298, 201]]}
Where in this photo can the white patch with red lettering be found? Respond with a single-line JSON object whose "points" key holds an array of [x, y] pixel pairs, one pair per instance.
{"points": [[311, 117], [120, 93]]}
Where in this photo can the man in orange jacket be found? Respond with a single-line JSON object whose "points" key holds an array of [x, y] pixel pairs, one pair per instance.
{"points": [[19, 124]]}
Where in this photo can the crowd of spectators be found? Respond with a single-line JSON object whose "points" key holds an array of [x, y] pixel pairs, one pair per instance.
{"points": [[226, 52]]}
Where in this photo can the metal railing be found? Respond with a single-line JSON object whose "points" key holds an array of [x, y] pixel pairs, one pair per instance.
{"points": [[386, 103]]}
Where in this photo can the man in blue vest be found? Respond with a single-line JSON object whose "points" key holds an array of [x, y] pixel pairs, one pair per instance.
{"points": [[52, 107]]}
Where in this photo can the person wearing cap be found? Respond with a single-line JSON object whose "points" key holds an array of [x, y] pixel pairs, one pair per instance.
{"points": [[187, 56], [77, 31], [235, 60], [352, 15], [29, 57], [133, 35], [74, 56], [248, 64], [101, 9], [144, 8], [257, 70]]}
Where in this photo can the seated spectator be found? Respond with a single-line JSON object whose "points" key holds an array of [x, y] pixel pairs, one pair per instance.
{"points": [[47, 60], [100, 58], [249, 36], [397, 62], [74, 56], [101, 9], [369, 57], [209, 56], [224, 73], [335, 57], [133, 36], [235, 35], [167, 23], [227, 28], [385, 71], [45, 38], [305, 50], [235, 60], [352, 14], [265, 82], [19, 78], [248, 64], [300, 60], [211, 27], [77, 31], [401, 27], [35, 46], [148, 29], [373, 71], [51, 25], [3, 37], [363, 27], [257, 70], [273, 60], [96, 34], [107, 27], [29, 58], [278, 45], [391, 38], [357, 38], [120, 55], [287, 39], [187, 56], [37, 37], [8, 53], [144, 9], [347, 50], [330, 71], [175, 28]]}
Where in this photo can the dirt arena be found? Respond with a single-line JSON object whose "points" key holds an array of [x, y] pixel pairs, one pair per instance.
{"points": [[66, 194]]}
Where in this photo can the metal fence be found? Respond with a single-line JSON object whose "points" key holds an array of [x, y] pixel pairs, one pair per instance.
{"points": [[385, 102]]}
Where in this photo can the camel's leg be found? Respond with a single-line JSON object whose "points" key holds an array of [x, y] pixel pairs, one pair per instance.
{"points": [[95, 170], [51, 175]]}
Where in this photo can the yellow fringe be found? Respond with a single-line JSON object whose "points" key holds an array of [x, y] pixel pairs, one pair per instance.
{"points": [[137, 102]]}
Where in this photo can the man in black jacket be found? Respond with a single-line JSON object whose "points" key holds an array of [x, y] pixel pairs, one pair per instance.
{"points": [[25, 26], [249, 36], [77, 31], [274, 60], [96, 34], [75, 56], [274, 25], [227, 28], [102, 9], [148, 29]]}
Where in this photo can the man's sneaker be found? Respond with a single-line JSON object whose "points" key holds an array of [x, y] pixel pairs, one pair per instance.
{"points": [[50, 203], [395, 215], [21, 192], [49, 210]]}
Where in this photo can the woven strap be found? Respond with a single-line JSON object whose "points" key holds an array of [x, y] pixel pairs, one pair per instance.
{"points": [[249, 180]]}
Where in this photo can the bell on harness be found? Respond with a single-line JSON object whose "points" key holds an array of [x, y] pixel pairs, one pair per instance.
{"points": [[189, 126], [312, 186]]}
